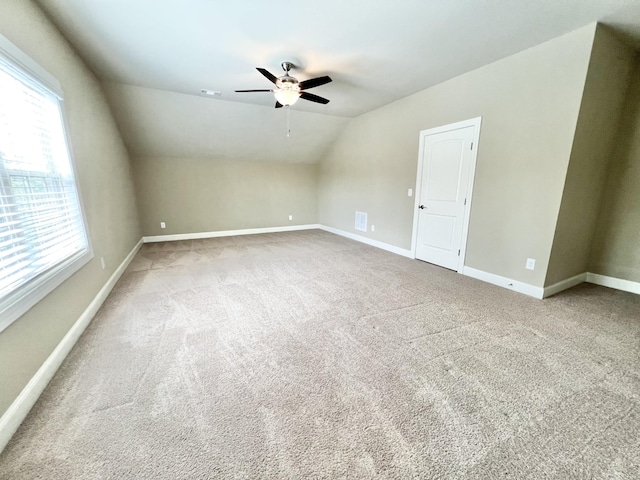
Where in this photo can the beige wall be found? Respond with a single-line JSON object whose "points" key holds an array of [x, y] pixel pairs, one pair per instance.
{"points": [[204, 195], [529, 105], [598, 124], [616, 247], [106, 187]]}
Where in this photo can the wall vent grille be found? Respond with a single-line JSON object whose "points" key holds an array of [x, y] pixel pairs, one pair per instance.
{"points": [[361, 221]]}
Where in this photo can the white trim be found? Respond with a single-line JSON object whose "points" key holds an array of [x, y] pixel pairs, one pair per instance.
{"points": [[369, 241], [452, 126], [226, 233], [18, 410], [477, 122], [25, 296], [473, 122], [564, 284], [504, 282], [12, 53], [612, 282]]}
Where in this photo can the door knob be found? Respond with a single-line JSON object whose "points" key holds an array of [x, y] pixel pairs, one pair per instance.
{"points": [[422, 207]]}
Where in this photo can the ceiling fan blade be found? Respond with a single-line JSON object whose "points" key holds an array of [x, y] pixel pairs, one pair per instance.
{"points": [[314, 82], [246, 91], [272, 78], [313, 98], [278, 104]]}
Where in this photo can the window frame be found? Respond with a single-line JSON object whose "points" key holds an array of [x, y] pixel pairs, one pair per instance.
{"points": [[23, 298]]}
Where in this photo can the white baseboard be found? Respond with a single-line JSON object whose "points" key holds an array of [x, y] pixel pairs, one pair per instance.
{"points": [[253, 231], [597, 279], [369, 241], [612, 282], [18, 410], [504, 282], [565, 284], [226, 233]]}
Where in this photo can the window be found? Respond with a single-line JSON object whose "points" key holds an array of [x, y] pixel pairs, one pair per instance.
{"points": [[42, 231]]}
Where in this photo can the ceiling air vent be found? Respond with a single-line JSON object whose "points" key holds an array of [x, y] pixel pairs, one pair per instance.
{"points": [[361, 221]]}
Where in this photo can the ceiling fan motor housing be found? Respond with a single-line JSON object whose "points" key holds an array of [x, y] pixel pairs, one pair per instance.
{"points": [[287, 82]]}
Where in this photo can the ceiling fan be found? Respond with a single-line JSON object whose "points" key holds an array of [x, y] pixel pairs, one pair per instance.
{"points": [[289, 89]]}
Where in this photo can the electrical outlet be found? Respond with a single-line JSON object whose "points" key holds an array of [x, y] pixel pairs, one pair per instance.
{"points": [[102, 262], [290, 217], [373, 228], [531, 264], [163, 225]]}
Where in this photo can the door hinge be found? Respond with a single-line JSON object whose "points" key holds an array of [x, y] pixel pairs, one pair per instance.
{"points": [[465, 201], [471, 146], [458, 252]]}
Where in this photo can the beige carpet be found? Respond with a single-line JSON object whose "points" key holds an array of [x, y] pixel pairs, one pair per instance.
{"points": [[306, 355]]}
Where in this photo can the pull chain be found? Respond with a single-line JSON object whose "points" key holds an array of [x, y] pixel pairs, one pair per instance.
{"points": [[288, 122]]}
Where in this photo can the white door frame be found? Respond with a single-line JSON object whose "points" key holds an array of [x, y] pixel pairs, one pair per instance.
{"points": [[473, 122]]}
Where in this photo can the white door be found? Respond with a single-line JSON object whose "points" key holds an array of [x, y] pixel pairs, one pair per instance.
{"points": [[447, 161]]}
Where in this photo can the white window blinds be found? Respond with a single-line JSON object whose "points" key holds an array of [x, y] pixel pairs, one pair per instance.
{"points": [[41, 223]]}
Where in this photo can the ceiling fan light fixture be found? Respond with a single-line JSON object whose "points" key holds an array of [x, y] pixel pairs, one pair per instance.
{"points": [[287, 97], [289, 89]]}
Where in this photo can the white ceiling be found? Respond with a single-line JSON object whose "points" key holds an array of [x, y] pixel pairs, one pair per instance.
{"points": [[155, 56], [375, 51]]}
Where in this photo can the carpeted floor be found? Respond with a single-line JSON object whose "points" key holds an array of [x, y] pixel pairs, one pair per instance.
{"points": [[306, 355]]}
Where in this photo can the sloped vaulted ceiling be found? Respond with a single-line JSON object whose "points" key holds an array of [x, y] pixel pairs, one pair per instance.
{"points": [[155, 57], [159, 123]]}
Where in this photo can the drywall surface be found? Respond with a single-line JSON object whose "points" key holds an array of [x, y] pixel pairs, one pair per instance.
{"points": [[106, 187], [616, 246], [529, 105], [204, 195], [156, 123], [607, 83]]}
